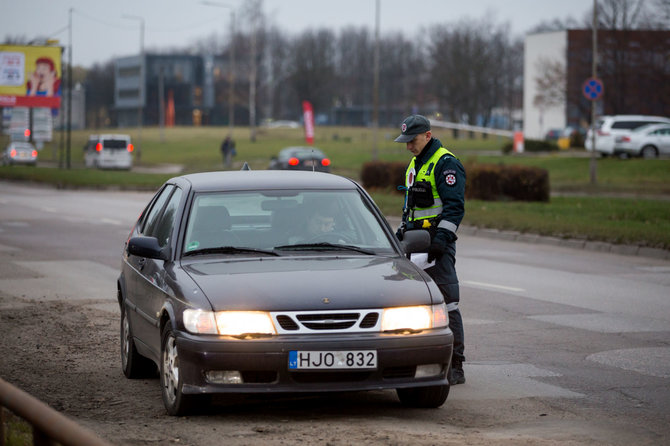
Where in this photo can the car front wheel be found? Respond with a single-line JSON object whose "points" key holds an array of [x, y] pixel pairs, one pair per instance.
{"points": [[176, 403], [648, 152], [423, 397], [133, 364]]}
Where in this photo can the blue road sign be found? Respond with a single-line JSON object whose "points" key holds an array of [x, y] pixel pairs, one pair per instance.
{"points": [[593, 88]]}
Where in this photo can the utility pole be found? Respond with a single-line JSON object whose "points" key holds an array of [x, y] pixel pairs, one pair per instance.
{"points": [[231, 74], [253, 73], [594, 75], [375, 88], [69, 97], [140, 86]]}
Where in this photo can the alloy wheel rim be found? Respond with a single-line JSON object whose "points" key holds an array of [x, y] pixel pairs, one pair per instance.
{"points": [[170, 369], [125, 348]]}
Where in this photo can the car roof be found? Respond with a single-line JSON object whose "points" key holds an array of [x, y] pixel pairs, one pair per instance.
{"points": [[109, 136], [652, 127], [301, 149], [264, 180], [22, 145]]}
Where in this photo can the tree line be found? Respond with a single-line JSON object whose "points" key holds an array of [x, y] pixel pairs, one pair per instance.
{"points": [[464, 70]]}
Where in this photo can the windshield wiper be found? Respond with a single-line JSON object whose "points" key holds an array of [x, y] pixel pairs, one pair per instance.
{"points": [[324, 246], [229, 250]]}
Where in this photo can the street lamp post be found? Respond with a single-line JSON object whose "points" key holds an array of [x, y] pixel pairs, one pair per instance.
{"points": [[231, 75], [140, 87]]}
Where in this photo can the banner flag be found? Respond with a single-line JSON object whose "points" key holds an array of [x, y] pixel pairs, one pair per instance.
{"points": [[308, 116]]}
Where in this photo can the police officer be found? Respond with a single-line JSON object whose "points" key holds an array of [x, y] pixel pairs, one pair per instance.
{"points": [[435, 200]]}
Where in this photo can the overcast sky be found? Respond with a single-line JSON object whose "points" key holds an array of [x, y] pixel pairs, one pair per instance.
{"points": [[100, 31]]}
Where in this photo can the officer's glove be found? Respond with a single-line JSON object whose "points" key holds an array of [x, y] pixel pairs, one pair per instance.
{"points": [[439, 244]]}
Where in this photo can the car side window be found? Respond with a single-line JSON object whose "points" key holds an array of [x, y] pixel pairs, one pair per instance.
{"points": [[151, 221], [165, 223]]}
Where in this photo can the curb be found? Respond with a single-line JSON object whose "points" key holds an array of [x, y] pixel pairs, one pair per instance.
{"points": [[587, 245]]}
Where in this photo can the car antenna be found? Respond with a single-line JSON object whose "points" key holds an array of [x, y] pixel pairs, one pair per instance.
{"points": [[245, 166], [313, 163]]}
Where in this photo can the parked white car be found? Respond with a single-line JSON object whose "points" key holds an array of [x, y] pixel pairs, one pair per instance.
{"points": [[648, 141], [109, 152], [608, 128]]}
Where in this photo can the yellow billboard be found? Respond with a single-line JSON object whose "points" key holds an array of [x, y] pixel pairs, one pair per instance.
{"points": [[30, 76]]}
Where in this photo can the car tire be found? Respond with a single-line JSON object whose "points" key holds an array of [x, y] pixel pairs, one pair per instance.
{"points": [[648, 152], [423, 397], [172, 381], [133, 364]]}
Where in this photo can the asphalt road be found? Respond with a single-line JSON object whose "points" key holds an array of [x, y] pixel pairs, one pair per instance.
{"points": [[562, 345]]}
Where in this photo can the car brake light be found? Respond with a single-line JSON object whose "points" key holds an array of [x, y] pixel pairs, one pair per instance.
{"points": [[293, 161], [12, 153], [601, 133], [624, 139], [34, 153], [325, 162], [26, 133], [98, 147], [130, 148]]}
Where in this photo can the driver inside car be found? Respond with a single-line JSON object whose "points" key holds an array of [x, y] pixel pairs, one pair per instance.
{"points": [[318, 223]]}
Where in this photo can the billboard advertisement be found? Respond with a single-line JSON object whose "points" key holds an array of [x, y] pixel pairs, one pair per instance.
{"points": [[30, 76]]}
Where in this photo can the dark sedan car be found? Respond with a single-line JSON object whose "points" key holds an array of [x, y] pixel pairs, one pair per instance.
{"points": [[301, 158], [225, 289]]}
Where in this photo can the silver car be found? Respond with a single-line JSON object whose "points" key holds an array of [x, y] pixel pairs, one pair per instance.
{"points": [[19, 153], [649, 141]]}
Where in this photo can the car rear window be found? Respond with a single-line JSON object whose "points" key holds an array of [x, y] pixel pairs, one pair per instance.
{"points": [[114, 143]]}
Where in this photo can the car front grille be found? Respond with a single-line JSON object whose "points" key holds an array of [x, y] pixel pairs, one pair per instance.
{"points": [[298, 322]]}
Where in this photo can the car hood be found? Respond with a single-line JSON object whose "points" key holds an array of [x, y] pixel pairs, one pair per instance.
{"points": [[306, 283]]}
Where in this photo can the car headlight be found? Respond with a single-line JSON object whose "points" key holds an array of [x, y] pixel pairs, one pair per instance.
{"points": [[415, 318], [230, 323]]}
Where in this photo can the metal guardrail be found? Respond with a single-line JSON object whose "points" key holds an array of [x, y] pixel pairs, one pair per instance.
{"points": [[49, 427], [471, 128]]}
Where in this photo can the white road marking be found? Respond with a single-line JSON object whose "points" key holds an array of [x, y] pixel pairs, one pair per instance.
{"points": [[492, 286], [653, 361], [606, 323]]}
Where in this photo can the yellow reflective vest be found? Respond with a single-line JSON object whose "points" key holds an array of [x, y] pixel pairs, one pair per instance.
{"points": [[425, 173]]}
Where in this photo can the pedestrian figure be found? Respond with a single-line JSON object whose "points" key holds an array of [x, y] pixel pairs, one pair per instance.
{"points": [[228, 150], [435, 201]]}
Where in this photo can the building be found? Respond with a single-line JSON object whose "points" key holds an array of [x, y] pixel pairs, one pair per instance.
{"points": [[634, 67], [176, 89]]}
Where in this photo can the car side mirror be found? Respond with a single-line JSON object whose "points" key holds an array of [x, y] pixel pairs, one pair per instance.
{"points": [[146, 247], [415, 241]]}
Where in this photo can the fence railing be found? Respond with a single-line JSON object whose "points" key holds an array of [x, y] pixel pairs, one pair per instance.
{"points": [[49, 426]]}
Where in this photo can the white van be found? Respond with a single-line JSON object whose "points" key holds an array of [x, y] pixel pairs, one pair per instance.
{"points": [[609, 127], [109, 152]]}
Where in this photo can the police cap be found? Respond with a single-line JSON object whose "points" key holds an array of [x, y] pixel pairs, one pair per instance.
{"points": [[412, 126]]}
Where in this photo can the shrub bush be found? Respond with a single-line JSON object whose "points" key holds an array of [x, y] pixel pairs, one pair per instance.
{"points": [[484, 181]]}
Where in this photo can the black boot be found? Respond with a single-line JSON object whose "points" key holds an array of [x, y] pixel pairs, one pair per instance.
{"points": [[456, 375]]}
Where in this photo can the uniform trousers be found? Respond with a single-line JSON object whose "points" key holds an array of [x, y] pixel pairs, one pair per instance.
{"points": [[444, 275]]}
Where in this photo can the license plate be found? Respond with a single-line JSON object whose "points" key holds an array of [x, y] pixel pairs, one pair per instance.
{"points": [[332, 360]]}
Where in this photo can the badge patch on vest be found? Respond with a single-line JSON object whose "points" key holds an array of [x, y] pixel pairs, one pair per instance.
{"points": [[450, 177], [411, 176]]}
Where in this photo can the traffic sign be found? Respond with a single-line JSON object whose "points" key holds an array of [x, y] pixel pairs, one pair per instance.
{"points": [[593, 88]]}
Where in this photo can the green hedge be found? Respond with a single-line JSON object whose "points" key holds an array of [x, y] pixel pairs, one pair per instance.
{"points": [[484, 181]]}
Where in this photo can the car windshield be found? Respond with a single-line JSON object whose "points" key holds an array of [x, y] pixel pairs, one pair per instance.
{"points": [[286, 222]]}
